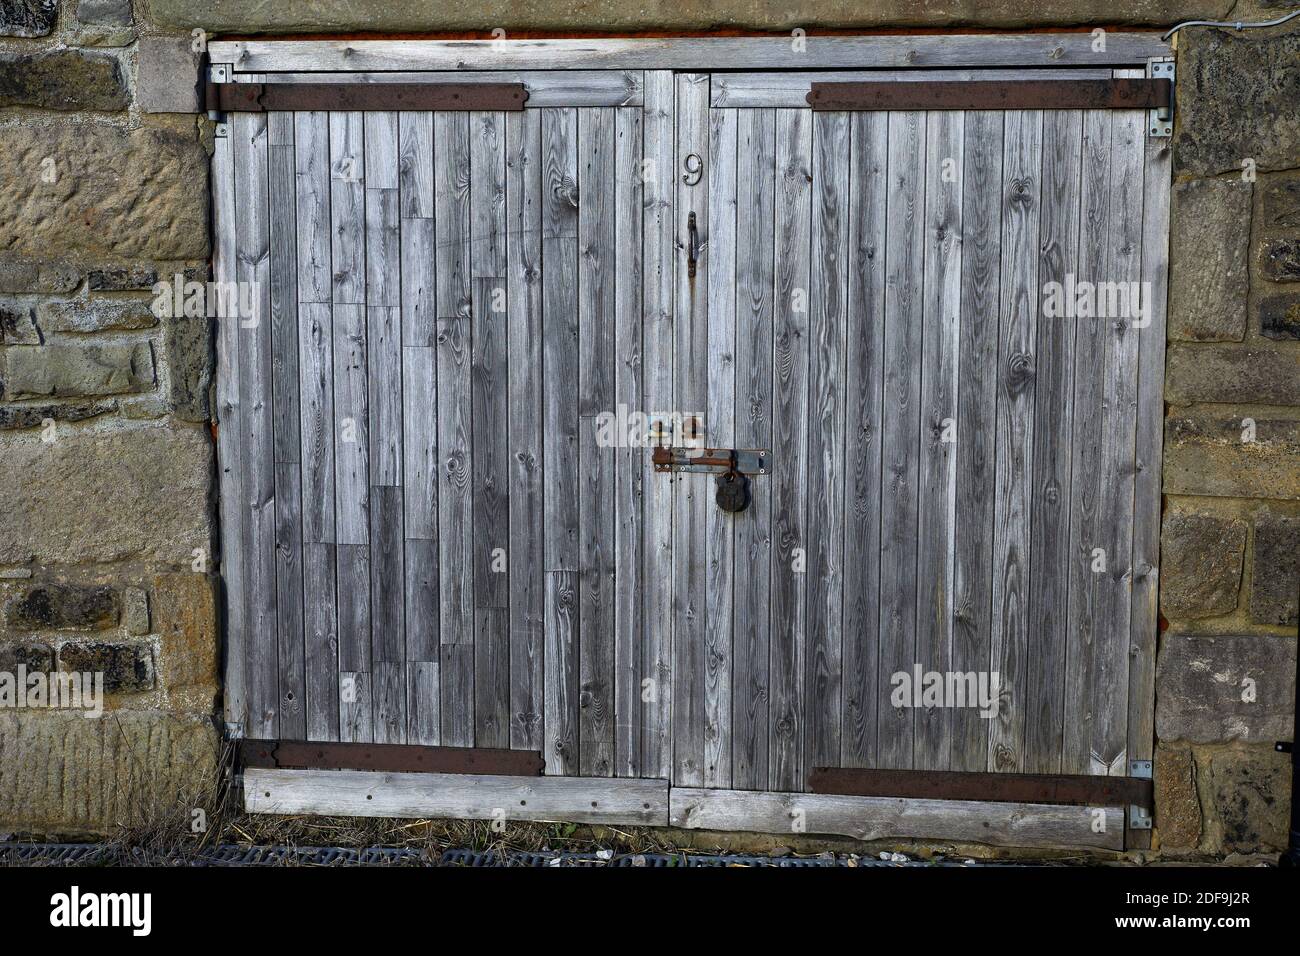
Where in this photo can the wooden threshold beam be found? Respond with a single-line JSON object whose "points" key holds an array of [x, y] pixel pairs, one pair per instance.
{"points": [[354, 793], [879, 818]]}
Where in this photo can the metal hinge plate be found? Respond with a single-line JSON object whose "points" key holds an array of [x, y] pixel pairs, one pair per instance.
{"points": [[1160, 121], [1139, 817], [713, 461]]}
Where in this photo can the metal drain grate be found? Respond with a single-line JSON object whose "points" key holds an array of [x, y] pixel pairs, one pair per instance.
{"points": [[490, 858]]}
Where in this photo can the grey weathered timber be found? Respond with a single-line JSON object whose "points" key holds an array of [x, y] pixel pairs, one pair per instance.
{"points": [[628, 495], [689, 53], [720, 420], [464, 795], [864, 377], [827, 346], [545, 87], [755, 184], [688, 601], [597, 322], [1017, 373], [1049, 520], [976, 417], [440, 525], [900, 427], [657, 309], [937, 480], [876, 818], [789, 432], [527, 574]]}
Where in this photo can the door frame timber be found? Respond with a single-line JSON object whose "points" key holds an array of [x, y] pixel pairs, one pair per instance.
{"points": [[763, 72]]}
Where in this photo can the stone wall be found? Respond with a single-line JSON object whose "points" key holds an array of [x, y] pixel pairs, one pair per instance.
{"points": [[1230, 544], [106, 461]]}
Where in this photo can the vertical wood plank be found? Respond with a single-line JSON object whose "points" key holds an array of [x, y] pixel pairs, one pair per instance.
{"points": [[347, 208], [527, 508], [353, 590], [257, 432], [1018, 342], [904, 323], [492, 677], [487, 144], [976, 421], [560, 436], [868, 185], [351, 426], [355, 710], [415, 165], [596, 459], [660, 231], [939, 369], [229, 441], [755, 282], [1053, 449], [425, 692], [312, 174], [384, 381], [690, 393], [827, 327], [1087, 443], [720, 418], [790, 435], [627, 326], [424, 711], [388, 613], [320, 624]]}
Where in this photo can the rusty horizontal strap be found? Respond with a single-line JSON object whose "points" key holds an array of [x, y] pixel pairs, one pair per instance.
{"points": [[267, 97], [1114, 94], [1071, 789], [389, 758]]}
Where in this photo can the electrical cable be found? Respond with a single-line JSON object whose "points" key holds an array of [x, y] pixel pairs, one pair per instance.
{"points": [[1238, 25]]}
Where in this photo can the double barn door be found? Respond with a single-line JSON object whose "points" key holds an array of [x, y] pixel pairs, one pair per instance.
{"points": [[429, 536]]}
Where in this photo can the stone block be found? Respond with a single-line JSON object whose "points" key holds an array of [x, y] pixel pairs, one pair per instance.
{"points": [[76, 371], [96, 315], [1249, 799], [185, 617], [127, 667], [36, 416], [1247, 455], [1209, 258], [1225, 687], [63, 80], [1275, 579], [1279, 260], [135, 610], [1201, 559], [1178, 807], [1280, 205], [1279, 316], [64, 606], [167, 76], [28, 18], [1232, 374], [36, 657], [188, 346], [100, 496], [115, 13]]}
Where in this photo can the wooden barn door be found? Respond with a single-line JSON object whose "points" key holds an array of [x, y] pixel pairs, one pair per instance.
{"points": [[963, 481]]}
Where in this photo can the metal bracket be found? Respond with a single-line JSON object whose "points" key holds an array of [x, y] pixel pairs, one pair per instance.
{"points": [[234, 731], [1160, 121], [713, 461], [217, 73], [1139, 817]]}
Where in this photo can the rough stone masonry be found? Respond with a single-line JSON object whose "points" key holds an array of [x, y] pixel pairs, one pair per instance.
{"points": [[106, 456]]}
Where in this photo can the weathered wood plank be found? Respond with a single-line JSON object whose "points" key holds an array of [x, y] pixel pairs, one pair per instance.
{"points": [[827, 328], [384, 381], [420, 469], [901, 411], [383, 237], [628, 537], [457, 795], [596, 457], [424, 695], [877, 818], [789, 89], [524, 492], [492, 677], [456, 697], [868, 185], [545, 87], [937, 484], [720, 418], [419, 288], [454, 347], [389, 680], [229, 441], [976, 421], [388, 613], [414, 167], [755, 180], [1018, 342], [1087, 444], [790, 434], [320, 626], [489, 383], [347, 208], [1049, 521], [351, 425], [289, 596], [353, 594], [690, 53], [487, 205], [316, 408], [657, 308], [420, 562], [257, 543], [312, 192], [690, 396], [560, 197], [561, 652]]}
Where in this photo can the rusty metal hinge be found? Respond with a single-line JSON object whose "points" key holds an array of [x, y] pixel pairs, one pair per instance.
{"points": [[730, 466], [335, 97], [1114, 94], [388, 758]]}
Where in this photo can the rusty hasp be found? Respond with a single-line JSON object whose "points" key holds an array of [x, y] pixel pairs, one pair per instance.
{"points": [[336, 97], [1114, 94], [713, 461], [390, 758]]}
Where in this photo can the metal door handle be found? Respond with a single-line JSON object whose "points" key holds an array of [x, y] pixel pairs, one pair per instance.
{"points": [[692, 245]]}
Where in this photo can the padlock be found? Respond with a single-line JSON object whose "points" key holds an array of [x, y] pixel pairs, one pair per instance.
{"points": [[733, 491]]}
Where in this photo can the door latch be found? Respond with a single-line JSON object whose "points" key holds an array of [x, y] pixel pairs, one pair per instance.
{"points": [[692, 245], [732, 468]]}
